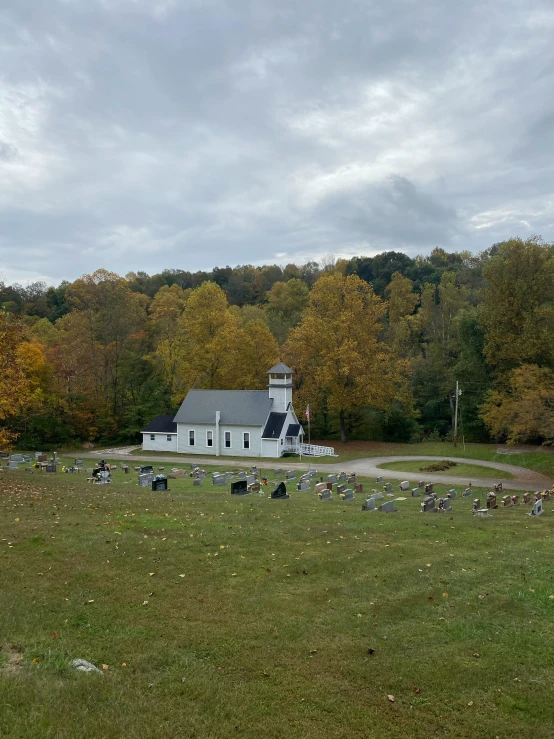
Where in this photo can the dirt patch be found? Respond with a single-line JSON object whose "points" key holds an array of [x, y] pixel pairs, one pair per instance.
{"points": [[439, 466], [11, 660]]}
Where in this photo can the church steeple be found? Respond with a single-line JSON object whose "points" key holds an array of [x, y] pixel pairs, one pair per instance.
{"points": [[280, 387]]}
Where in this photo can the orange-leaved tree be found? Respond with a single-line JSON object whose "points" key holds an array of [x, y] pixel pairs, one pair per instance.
{"points": [[337, 351]]}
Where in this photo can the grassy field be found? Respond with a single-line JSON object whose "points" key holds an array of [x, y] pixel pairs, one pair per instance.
{"points": [[218, 616], [461, 469]]}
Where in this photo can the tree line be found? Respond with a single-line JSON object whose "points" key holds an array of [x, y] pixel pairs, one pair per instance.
{"points": [[377, 344]]}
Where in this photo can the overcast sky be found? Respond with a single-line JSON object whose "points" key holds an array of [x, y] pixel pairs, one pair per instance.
{"points": [[152, 134]]}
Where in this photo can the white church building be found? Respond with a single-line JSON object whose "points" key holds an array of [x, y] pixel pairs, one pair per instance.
{"points": [[233, 423]]}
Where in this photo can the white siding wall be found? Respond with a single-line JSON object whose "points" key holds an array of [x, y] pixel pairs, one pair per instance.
{"points": [[160, 442], [236, 449]]}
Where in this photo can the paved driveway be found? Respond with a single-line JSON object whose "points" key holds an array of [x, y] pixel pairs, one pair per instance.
{"points": [[524, 479]]}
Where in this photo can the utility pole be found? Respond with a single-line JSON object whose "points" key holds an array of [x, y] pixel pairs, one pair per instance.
{"points": [[458, 393]]}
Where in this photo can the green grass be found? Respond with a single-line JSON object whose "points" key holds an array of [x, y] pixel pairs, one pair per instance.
{"points": [[267, 634], [460, 470]]}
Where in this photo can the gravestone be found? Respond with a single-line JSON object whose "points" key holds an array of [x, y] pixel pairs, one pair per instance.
{"points": [[415, 492], [280, 492], [444, 505], [537, 509], [175, 473], [320, 487], [369, 504], [405, 485], [347, 494], [17, 458], [351, 478], [229, 475], [50, 468], [452, 493], [253, 470], [279, 472], [476, 505], [241, 476], [26, 458], [359, 488], [159, 483], [378, 496], [498, 488], [42, 458], [312, 473], [342, 476], [250, 479], [467, 492], [388, 487], [305, 477], [302, 486], [341, 489], [12, 465], [325, 495], [254, 487], [379, 479], [291, 475], [515, 499], [331, 478], [526, 498], [421, 484], [429, 488], [546, 495], [145, 479], [387, 507], [37, 455], [484, 513], [220, 480], [506, 501], [145, 469], [428, 505], [239, 487], [491, 500], [197, 481]]}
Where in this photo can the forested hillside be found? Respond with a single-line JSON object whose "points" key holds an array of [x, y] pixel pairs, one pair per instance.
{"points": [[377, 344]]}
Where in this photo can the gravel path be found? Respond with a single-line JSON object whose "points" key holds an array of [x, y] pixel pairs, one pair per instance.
{"points": [[524, 479]]}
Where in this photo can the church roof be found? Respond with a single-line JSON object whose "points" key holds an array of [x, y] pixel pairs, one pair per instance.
{"points": [[237, 407], [161, 424], [280, 369], [274, 425]]}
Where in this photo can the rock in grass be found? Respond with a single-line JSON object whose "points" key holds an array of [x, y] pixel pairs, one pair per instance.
{"points": [[83, 666]]}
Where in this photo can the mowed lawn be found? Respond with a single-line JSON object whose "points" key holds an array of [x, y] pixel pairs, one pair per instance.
{"points": [[220, 616], [460, 470]]}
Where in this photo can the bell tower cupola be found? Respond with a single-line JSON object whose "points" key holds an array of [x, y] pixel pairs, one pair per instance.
{"points": [[280, 387]]}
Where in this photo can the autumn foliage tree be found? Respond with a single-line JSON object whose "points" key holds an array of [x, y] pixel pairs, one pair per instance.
{"points": [[20, 364], [338, 353]]}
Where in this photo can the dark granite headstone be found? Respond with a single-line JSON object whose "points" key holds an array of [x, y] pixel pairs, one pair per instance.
{"points": [[280, 492], [239, 487]]}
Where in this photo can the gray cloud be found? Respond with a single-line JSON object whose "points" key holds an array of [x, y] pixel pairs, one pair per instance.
{"points": [[143, 134]]}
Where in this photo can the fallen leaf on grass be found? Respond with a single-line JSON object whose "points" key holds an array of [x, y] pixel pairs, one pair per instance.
{"points": [[105, 667], [416, 690], [145, 603], [445, 595], [371, 650], [391, 698], [476, 654], [470, 703]]}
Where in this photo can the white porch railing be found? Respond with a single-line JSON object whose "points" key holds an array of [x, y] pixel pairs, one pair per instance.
{"points": [[311, 450]]}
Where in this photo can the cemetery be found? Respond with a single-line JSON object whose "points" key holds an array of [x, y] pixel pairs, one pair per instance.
{"points": [[169, 582]]}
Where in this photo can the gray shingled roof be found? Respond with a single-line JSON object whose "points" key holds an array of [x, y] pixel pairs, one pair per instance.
{"points": [[237, 407], [280, 369], [161, 424]]}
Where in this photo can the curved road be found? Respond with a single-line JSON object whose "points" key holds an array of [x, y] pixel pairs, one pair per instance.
{"points": [[524, 479]]}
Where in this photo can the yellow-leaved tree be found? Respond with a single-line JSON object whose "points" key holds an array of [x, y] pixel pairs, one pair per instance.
{"points": [[523, 408], [337, 352], [21, 363], [218, 351]]}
